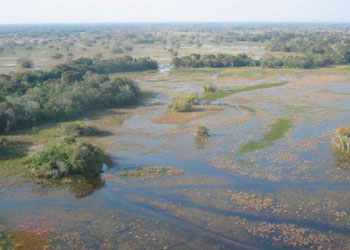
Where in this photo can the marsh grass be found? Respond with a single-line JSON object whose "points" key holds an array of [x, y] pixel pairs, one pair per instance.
{"points": [[212, 96], [277, 131]]}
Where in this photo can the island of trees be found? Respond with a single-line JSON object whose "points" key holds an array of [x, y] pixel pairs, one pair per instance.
{"points": [[31, 98]]}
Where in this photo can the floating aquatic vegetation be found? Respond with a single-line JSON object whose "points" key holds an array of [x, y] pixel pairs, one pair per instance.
{"points": [[291, 235], [152, 172], [26, 239]]}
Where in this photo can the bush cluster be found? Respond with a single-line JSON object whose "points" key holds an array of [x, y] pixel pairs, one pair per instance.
{"points": [[80, 128], [64, 160], [201, 131], [183, 103]]}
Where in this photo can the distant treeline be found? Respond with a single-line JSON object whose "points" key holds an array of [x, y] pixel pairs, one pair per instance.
{"points": [[268, 61], [214, 61], [30, 98]]}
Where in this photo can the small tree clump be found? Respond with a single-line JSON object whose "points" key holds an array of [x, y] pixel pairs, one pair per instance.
{"points": [[63, 160], [201, 132], [117, 50], [80, 128], [209, 88], [128, 48], [342, 138], [25, 63], [57, 55], [182, 104]]}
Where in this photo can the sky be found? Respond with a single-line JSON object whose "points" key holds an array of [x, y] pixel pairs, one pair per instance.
{"points": [[110, 11]]}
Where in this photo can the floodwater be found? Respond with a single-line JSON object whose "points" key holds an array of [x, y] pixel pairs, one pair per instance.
{"points": [[237, 190]]}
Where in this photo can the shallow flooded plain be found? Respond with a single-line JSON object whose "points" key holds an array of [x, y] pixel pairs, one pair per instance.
{"points": [[266, 178]]}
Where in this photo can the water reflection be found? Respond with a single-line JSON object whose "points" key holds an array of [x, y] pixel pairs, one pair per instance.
{"points": [[341, 159], [78, 186], [200, 142]]}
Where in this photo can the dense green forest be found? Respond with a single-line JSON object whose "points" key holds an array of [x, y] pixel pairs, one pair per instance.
{"points": [[30, 98]]}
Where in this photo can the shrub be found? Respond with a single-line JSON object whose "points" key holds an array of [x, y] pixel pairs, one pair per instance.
{"points": [[117, 50], [342, 138], [86, 159], [194, 100], [209, 88], [80, 128], [128, 48], [201, 131], [64, 160], [25, 63], [98, 56], [182, 104], [56, 55], [70, 139], [35, 129]]}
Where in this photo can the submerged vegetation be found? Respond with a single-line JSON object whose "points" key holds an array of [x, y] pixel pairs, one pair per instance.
{"points": [[277, 131]]}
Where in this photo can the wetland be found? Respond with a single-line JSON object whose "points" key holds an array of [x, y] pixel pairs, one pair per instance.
{"points": [[257, 162]]}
